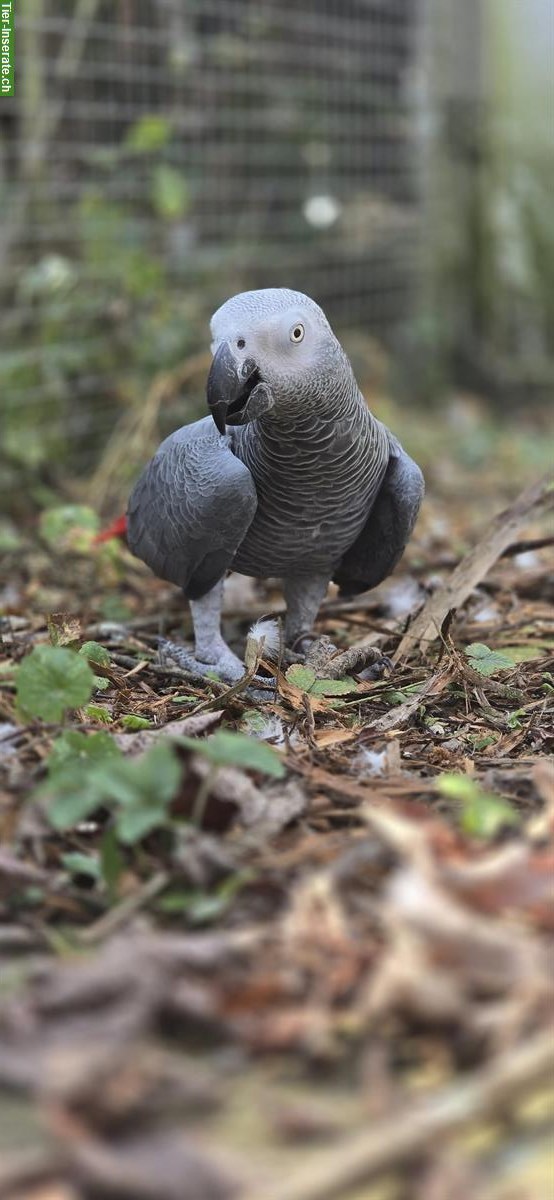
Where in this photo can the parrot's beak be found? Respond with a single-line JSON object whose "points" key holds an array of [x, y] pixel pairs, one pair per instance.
{"points": [[229, 385]]}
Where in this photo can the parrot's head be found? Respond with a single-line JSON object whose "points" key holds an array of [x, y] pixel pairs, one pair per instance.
{"points": [[274, 350]]}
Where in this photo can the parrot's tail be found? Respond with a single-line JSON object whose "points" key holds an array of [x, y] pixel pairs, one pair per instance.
{"points": [[117, 529]]}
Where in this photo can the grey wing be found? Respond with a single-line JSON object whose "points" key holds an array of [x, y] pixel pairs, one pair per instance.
{"points": [[382, 541], [191, 508]]}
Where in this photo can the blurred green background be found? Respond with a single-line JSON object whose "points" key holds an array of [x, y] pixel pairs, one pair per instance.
{"points": [[390, 157]]}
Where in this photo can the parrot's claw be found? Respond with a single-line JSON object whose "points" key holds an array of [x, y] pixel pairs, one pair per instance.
{"points": [[227, 667], [383, 666], [366, 662]]}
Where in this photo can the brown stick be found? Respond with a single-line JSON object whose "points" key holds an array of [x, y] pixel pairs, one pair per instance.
{"points": [[395, 718], [392, 1141], [502, 531]]}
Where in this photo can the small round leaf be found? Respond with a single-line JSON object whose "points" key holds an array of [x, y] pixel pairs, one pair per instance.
{"points": [[52, 679]]}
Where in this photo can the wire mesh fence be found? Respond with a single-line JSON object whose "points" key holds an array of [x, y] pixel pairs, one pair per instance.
{"points": [[160, 155]]}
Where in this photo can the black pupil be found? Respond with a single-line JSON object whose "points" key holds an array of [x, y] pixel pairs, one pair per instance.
{"points": [[297, 333], [241, 343]]}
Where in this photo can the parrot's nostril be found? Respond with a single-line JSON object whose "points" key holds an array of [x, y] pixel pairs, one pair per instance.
{"points": [[241, 343]]}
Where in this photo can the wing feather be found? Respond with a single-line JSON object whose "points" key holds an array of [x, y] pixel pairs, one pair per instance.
{"points": [[191, 508], [382, 541]]}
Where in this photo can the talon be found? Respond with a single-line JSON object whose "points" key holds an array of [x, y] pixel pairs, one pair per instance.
{"points": [[377, 669], [228, 668]]}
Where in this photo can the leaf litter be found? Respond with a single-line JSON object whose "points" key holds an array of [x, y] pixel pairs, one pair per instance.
{"points": [[294, 945]]}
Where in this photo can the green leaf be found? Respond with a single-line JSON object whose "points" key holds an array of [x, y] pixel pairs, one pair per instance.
{"points": [[152, 778], [485, 816], [170, 193], [78, 776], [144, 788], [176, 901], [301, 677], [307, 680], [95, 653], [512, 718], [333, 687], [226, 749], [87, 772], [111, 862], [485, 660], [526, 653], [147, 134], [201, 907], [73, 801], [10, 538], [97, 712], [52, 679], [457, 787], [131, 721], [113, 608], [66, 521], [482, 814], [254, 721], [134, 822], [82, 864], [80, 750], [480, 742]]}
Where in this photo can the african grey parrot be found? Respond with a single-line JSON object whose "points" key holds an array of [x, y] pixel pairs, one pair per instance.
{"points": [[290, 476]]}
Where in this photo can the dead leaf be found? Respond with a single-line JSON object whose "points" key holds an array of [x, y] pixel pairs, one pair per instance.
{"points": [[263, 810], [334, 737], [64, 628]]}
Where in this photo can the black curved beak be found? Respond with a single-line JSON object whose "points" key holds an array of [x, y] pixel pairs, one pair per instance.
{"points": [[229, 384]]}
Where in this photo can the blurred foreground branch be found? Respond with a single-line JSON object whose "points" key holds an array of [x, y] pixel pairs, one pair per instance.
{"points": [[391, 1142]]}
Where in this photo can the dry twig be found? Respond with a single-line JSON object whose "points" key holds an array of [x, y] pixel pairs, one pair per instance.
{"points": [[503, 530]]}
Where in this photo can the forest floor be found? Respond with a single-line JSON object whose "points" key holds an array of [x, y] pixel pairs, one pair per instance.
{"points": [[296, 947]]}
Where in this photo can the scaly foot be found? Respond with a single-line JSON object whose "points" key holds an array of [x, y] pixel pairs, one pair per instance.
{"points": [[226, 666], [364, 661]]}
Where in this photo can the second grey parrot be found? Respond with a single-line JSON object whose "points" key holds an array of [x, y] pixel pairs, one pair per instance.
{"points": [[291, 475]]}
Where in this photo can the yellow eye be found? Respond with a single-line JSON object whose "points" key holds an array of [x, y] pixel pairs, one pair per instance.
{"points": [[297, 333]]}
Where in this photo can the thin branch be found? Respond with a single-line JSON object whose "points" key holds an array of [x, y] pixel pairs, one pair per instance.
{"points": [[502, 532]]}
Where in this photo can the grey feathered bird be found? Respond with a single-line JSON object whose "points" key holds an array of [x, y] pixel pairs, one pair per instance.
{"points": [[293, 477]]}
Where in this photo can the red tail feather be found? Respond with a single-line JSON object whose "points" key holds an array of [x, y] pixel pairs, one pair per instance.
{"points": [[117, 529]]}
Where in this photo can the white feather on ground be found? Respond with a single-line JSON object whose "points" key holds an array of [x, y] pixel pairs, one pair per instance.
{"points": [[263, 641]]}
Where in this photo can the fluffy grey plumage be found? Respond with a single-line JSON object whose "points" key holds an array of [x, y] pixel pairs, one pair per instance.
{"points": [[298, 480]]}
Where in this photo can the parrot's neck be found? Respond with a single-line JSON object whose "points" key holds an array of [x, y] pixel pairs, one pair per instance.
{"points": [[334, 433], [316, 469], [305, 414]]}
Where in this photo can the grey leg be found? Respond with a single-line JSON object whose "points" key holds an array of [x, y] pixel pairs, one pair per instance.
{"points": [[212, 654], [303, 598], [211, 650]]}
